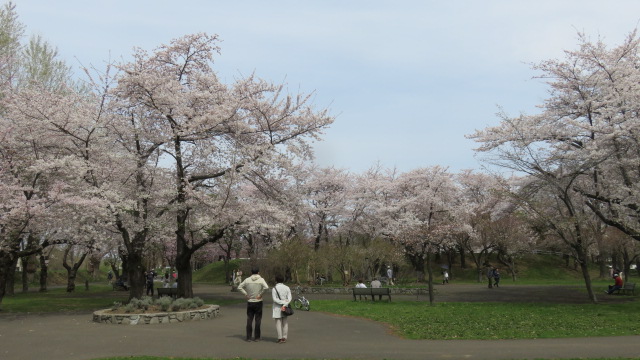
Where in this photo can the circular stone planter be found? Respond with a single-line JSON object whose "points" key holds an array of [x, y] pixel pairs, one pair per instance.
{"points": [[106, 317]]}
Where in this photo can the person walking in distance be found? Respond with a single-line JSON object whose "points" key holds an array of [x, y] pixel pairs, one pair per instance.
{"points": [[445, 277], [281, 297], [496, 277], [490, 276], [390, 275], [150, 275], [253, 287]]}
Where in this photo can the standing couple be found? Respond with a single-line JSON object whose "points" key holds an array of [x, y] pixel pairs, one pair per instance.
{"points": [[253, 287]]}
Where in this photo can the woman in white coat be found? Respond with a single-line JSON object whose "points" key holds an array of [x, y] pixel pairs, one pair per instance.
{"points": [[281, 298]]}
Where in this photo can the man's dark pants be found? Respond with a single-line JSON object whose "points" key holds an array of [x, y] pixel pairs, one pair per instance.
{"points": [[254, 311]]}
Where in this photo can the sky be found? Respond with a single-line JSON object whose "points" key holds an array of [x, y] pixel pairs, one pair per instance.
{"points": [[406, 80]]}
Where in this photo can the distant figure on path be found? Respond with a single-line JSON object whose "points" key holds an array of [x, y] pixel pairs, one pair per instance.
{"points": [[496, 277], [445, 277], [490, 275], [390, 275]]}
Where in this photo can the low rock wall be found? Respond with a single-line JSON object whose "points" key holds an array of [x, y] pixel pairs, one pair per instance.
{"points": [[105, 317]]}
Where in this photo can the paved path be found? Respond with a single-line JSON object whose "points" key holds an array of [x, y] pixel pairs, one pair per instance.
{"points": [[312, 335]]}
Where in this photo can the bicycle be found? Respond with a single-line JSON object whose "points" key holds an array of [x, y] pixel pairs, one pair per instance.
{"points": [[301, 302]]}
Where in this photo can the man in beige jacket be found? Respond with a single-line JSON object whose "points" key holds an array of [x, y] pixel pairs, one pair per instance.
{"points": [[253, 287]]}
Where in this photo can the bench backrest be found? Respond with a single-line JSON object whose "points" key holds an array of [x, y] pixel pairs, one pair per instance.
{"points": [[371, 291], [380, 291], [167, 291]]}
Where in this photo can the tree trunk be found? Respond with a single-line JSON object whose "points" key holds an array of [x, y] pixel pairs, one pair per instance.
{"points": [[185, 274], [418, 265], [463, 259], [602, 267], [584, 266], [6, 260], [43, 273], [71, 279], [116, 272], [626, 267], [509, 262], [25, 273], [430, 282], [11, 279], [72, 270], [451, 255], [135, 275], [94, 267]]}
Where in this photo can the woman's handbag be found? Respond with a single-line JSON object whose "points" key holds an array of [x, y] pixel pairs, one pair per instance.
{"points": [[288, 310]]}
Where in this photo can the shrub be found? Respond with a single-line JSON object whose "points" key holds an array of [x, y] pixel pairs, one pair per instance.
{"points": [[164, 303], [130, 308], [179, 304], [116, 305], [141, 304]]}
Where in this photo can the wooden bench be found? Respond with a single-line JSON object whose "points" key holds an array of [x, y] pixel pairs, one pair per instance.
{"points": [[627, 289], [371, 292], [173, 292], [120, 286]]}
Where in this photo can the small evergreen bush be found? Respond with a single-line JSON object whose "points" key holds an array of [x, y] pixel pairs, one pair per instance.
{"points": [[164, 303], [116, 305]]}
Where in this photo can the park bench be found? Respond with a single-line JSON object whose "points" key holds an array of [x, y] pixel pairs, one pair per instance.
{"points": [[627, 289], [120, 286], [173, 292], [371, 292]]}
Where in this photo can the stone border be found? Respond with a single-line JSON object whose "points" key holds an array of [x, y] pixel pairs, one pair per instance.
{"points": [[102, 316]]}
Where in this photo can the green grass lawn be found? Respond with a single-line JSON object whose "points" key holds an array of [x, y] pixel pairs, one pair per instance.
{"points": [[413, 320], [58, 300], [486, 321], [174, 358]]}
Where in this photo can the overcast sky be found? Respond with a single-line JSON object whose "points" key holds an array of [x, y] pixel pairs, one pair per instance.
{"points": [[406, 80]]}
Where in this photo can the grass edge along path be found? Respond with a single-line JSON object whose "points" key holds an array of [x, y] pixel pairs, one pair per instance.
{"points": [[492, 321], [174, 358]]}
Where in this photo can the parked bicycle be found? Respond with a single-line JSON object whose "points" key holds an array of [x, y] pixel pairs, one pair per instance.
{"points": [[301, 302]]}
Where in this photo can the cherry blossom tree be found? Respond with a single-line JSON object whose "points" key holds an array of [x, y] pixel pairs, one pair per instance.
{"points": [[583, 146], [421, 215], [588, 128], [325, 196], [211, 131]]}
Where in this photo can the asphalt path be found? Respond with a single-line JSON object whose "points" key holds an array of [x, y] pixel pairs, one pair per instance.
{"points": [[312, 335]]}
